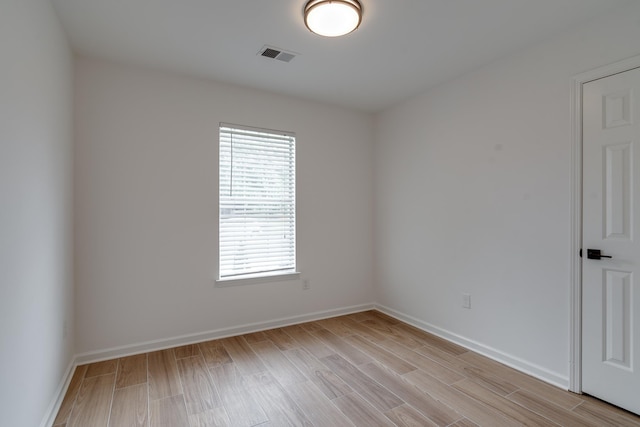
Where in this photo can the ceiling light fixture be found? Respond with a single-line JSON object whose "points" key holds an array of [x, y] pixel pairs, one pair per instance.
{"points": [[332, 18]]}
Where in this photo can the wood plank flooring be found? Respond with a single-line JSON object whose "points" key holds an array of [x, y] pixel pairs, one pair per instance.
{"points": [[364, 369]]}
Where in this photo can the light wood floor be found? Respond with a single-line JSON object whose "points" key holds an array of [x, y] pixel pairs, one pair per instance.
{"points": [[364, 369]]}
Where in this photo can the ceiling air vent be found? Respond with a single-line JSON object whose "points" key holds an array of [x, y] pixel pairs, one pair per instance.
{"points": [[276, 53]]}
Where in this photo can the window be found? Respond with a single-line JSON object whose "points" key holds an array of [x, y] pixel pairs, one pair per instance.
{"points": [[257, 224]]}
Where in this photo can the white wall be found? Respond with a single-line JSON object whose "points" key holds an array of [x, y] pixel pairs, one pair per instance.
{"points": [[146, 206], [472, 194], [36, 286]]}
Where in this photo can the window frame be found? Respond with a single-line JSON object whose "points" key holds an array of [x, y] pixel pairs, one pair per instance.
{"points": [[266, 276]]}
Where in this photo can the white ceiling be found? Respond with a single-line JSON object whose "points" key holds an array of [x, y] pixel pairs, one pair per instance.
{"points": [[402, 47]]}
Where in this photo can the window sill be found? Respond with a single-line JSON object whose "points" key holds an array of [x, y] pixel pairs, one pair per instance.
{"points": [[254, 280]]}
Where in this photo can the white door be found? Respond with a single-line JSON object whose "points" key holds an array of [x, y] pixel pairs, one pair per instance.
{"points": [[611, 222]]}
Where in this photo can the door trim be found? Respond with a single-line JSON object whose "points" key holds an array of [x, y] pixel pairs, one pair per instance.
{"points": [[575, 274]]}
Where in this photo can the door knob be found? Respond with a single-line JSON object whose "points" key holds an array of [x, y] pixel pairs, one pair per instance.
{"points": [[596, 254]]}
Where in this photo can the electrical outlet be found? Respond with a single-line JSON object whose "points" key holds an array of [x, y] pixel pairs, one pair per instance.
{"points": [[466, 301], [306, 285]]}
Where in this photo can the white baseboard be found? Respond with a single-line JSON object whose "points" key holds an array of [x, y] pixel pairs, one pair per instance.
{"points": [[128, 350], [521, 365], [54, 406]]}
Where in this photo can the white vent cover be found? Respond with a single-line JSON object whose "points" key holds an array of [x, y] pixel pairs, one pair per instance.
{"points": [[276, 53]]}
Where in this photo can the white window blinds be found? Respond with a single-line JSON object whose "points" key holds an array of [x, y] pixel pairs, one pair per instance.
{"points": [[257, 202]]}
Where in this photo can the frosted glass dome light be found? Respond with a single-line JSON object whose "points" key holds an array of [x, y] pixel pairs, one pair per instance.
{"points": [[332, 18]]}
